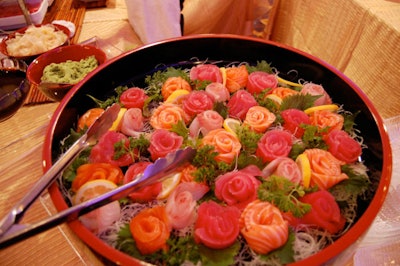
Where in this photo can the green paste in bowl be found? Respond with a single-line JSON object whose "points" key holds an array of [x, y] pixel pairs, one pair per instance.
{"points": [[69, 72]]}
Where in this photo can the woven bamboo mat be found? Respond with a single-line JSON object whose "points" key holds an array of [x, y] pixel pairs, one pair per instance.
{"points": [[70, 10]]}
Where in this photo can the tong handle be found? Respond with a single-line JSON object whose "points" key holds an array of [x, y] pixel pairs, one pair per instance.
{"points": [[43, 183]]}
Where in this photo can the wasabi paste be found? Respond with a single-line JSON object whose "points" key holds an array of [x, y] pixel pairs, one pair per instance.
{"points": [[70, 72]]}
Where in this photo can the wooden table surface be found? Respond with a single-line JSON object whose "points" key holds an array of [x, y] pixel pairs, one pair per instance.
{"points": [[21, 143]]}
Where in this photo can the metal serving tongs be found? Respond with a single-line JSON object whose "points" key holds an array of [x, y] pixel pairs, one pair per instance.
{"points": [[156, 172], [12, 232]]}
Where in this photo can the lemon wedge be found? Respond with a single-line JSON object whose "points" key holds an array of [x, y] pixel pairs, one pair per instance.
{"points": [[231, 125], [176, 95], [305, 168], [274, 98], [168, 185], [223, 74], [116, 125], [281, 80], [93, 189], [327, 107]]}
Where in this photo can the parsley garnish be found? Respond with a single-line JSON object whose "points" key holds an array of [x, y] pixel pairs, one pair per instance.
{"points": [[248, 138], [312, 137], [136, 148], [181, 249], [207, 167], [284, 194]]}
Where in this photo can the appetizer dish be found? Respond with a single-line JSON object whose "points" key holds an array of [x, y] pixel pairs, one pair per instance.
{"points": [[276, 178], [290, 167]]}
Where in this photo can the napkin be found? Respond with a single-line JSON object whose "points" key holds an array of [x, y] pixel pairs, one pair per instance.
{"points": [[154, 20]]}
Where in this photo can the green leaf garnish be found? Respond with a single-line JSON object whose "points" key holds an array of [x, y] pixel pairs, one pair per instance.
{"points": [[155, 81], [284, 194], [298, 101], [285, 254], [261, 66], [219, 257], [110, 100], [356, 185], [349, 121]]}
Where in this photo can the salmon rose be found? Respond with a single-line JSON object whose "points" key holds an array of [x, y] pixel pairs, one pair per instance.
{"points": [[133, 98], [172, 84], [325, 119], [342, 146], [225, 144], [237, 188], [166, 115], [150, 230], [293, 119], [94, 171], [88, 118], [316, 90], [236, 78], [325, 168], [263, 227], [216, 226], [259, 118], [206, 72], [240, 103], [274, 144], [259, 81], [197, 102], [163, 142]]}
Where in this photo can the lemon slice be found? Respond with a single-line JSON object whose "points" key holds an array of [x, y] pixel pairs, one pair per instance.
{"points": [[327, 107], [304, 165], [281, 80], [223, 74], [176, 95], [168, 185], [231, 125], [92, 189], [116, 125], [274, 98]]}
